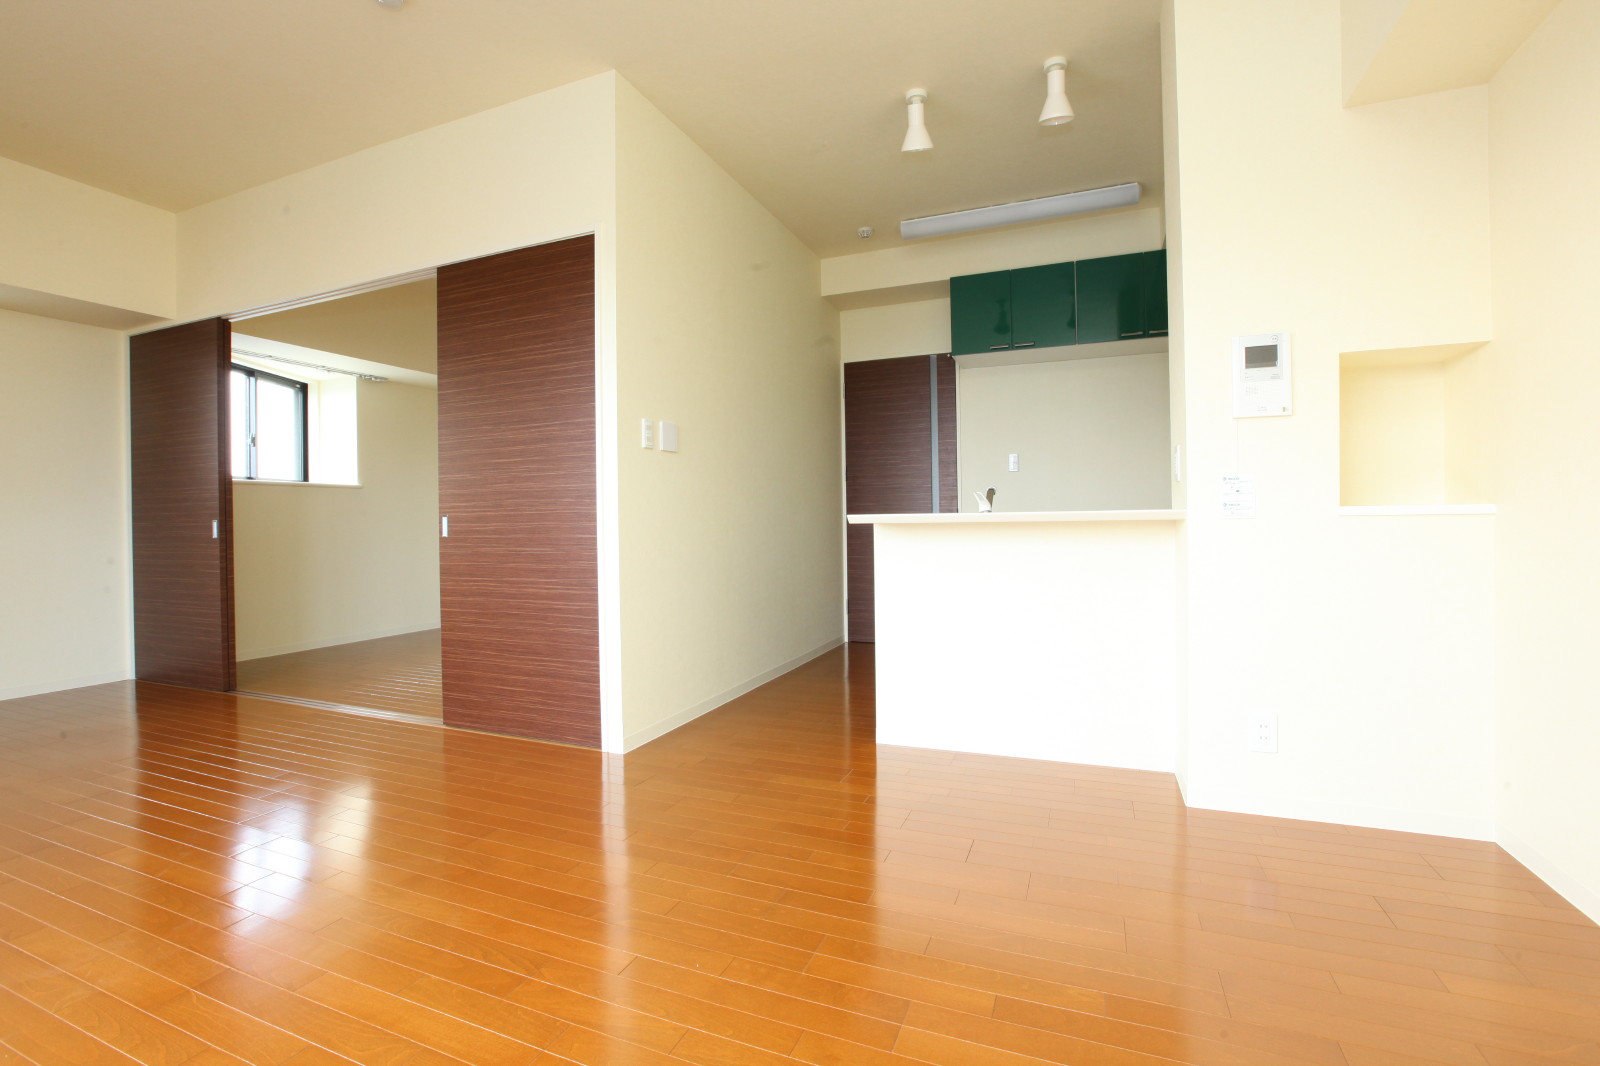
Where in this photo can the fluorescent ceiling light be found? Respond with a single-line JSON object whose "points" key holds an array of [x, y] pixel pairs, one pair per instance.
{"points": [[917, 139], [1072, 203]]}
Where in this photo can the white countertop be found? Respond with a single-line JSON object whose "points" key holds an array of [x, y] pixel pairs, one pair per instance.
{"points": [[1001, 517]]}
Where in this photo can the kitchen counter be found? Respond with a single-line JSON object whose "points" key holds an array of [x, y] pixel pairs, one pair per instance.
{"points": [[1001, 517]]}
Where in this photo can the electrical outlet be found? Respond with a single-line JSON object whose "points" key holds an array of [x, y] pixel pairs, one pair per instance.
{"points": [[1262, 734], [647, 433], [1011, 462]]}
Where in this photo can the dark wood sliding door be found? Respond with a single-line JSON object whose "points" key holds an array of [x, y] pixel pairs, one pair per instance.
{"points": [[900, 457], [182, 505], [518, 568]]}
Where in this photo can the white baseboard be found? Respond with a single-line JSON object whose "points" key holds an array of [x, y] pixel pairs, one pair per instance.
{"points": [[667, 725], [1582, 896], [1433, 823], [331, 642], [62, 684]]}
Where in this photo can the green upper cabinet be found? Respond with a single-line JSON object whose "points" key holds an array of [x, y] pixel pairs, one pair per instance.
{"points": [[1087, 302], [1155, 293], [1043, 310], [1111, 298], [980, 313]]}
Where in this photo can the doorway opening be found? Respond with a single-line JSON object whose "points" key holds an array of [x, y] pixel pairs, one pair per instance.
{"points": [[334, 448]]}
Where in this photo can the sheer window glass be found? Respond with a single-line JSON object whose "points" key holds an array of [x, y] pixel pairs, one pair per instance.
{"points": [[268, 426]]}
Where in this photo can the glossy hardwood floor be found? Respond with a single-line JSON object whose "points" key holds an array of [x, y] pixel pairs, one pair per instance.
{"points": [[193, 878], [398, 675]]}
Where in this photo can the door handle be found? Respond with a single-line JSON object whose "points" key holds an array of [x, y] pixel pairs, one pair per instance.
{"points": [[444, 525], [216, 529]]}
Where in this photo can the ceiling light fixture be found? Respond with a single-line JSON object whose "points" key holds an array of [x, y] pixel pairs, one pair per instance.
{"points": [[917, 139], [1072, 203], [1056, 108], [392, 5]]}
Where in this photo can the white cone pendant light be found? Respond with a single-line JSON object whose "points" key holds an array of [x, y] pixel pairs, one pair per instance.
{"points": [[1056, 108], [917, 139]]}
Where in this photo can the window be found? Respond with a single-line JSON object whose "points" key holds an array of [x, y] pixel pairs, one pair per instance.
{"points": [[268, 426]]}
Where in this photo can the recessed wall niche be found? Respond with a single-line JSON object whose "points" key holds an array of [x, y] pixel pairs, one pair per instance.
{"points": [[1410, 427]]}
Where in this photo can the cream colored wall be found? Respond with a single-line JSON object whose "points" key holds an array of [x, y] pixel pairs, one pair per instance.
{"points": [[398, 326], [1090, 434], [316, 565], [528, 172], [1543, 372], [1411, 431], [730, 548], [65, 570], [916, 327], [1352, 230], [1400, 48], [1393, 435], [936, 260], [79, 253]]}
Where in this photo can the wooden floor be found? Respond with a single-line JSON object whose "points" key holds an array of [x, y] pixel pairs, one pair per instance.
{"points": [[398, 675], [204, 879]]}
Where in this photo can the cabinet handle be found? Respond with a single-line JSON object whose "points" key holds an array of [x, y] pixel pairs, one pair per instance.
{"points": [[997, 347], [1136, 333], [1024, 344]]}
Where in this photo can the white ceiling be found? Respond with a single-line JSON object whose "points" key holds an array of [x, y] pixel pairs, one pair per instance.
{"points": [[177, 102]]}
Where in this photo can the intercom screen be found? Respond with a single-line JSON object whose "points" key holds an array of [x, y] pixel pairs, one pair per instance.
{"points": [[1260, 356]]}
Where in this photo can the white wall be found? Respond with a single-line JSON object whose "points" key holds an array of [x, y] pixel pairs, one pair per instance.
{"points": [[1089, 434], [64, 574], [730, 548], [1352, 230], [1543, 371], [316, 565], [1043, 641]]}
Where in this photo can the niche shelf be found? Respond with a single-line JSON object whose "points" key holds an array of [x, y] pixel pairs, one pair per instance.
{"points": [[1410, 431]]}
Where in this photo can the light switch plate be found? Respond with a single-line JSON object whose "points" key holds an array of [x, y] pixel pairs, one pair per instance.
{"points": [[647, 433], [669, 436]]}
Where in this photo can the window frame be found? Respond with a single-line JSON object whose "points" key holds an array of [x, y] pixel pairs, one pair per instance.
{"points": [[302, 392]]}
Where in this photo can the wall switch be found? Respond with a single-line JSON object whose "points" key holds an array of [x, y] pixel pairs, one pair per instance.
{"points": [[647, 433], [1263, 732], [1011, 462], [669, 436]]}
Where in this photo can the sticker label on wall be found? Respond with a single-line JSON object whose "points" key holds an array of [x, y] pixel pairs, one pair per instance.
{"points": [[1238, 497]]}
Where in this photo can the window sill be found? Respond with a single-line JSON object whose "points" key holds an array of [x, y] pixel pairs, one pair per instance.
{"points": [[304, 484]]}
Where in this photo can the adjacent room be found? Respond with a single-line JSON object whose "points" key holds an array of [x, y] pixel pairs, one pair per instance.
{"points": [[612, 534], [336, 553]]}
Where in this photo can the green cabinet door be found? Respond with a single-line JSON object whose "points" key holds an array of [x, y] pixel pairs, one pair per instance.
{"points": [[980, 313], [1155, 293], [1111, 298], [1043, 306]]}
